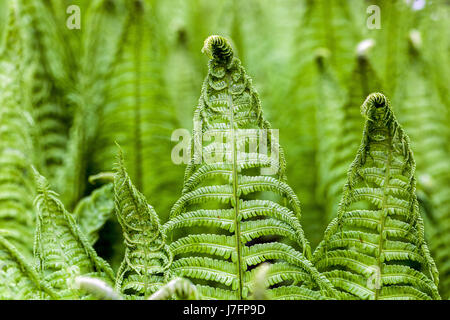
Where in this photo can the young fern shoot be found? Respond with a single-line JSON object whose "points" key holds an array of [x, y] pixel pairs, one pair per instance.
{"points": [[375, 248], [237, 212]]}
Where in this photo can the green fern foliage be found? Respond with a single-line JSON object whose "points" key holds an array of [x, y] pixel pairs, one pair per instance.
{"points": [[18, 279], [93, 211], [375, 248], [348, 124], [16, 188], [138, 114], [62, 251], [426, 119], [147, 256], [79, 77], [45, 81], [99, 51], [238, 216]]}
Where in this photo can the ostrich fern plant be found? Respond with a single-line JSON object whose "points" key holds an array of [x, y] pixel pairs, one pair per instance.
{"points": [[129, 75]]}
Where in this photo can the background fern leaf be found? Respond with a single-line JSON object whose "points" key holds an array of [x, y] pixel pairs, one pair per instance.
{"points": [[18, 279]]}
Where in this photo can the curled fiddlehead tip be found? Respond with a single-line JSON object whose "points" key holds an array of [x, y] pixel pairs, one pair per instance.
{"points": [[217, 47], [375, 103]]}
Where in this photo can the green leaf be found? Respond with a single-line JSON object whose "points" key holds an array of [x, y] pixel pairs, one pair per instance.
{"points": [[375, 248], [147, 256]]}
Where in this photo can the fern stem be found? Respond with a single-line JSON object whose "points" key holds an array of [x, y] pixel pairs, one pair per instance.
{"points": [[235, 193], [385, 210]]}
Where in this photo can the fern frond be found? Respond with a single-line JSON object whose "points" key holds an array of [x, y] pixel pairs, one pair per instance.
{"points": [[375, 248], [147, 256], [18, 279], [364, 80], [237, 215], [137, 113], [16, 146], [61, 249], [46, 82], [94, 210], [426, 119]]}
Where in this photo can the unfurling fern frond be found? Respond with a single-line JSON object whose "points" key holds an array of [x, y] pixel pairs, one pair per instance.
{"points": [[375, 248], [61, 249], [18, 279], [236, 207], [147, 257], [93, 211], [329, 24]]}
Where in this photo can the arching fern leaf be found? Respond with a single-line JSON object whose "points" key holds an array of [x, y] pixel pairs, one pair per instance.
{"points": [[137, 113]]}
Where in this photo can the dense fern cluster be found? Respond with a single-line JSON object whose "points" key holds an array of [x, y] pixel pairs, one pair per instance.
{"points": [[326, 194]]}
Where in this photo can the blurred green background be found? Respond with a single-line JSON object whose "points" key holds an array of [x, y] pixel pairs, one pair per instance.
{"points": [[133, 73]]}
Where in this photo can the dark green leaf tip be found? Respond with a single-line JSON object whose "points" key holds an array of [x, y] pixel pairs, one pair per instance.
{"points": [[217, 47]]}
